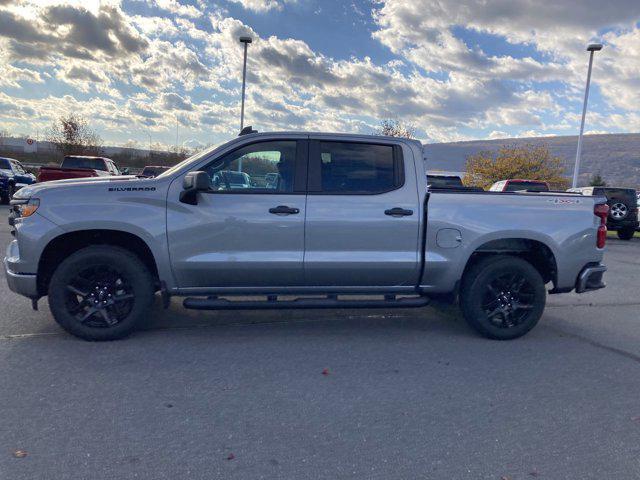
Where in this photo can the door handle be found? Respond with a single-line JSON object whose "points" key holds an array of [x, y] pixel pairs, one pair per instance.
{"points": [[398, 212], [284, 210]]}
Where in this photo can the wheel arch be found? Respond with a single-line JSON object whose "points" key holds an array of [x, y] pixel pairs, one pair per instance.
{"points": [[61, 246], [534, 251]]}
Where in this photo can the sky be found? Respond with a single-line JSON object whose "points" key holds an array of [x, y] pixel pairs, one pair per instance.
{"points": [[170, 71]]}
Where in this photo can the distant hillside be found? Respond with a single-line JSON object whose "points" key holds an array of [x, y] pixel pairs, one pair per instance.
{"points": [[616, 157]]}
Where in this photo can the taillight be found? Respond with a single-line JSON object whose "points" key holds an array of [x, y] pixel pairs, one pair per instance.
{"points": [[601, 210]]}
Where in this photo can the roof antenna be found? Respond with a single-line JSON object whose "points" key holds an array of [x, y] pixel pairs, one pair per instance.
{"points": [[247, 130]]}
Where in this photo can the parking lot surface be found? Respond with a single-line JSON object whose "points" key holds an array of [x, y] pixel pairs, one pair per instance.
{"points": [[328, 394]]}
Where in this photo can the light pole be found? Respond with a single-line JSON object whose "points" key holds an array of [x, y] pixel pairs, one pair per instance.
{"points": [[592, 48], [246, 41]]}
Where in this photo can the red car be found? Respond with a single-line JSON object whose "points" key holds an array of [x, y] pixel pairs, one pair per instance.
{"points": [[75, 166]]}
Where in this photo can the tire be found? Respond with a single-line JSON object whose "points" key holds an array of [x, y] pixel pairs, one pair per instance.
{"points": [[101, 293], [11, 190], [502, 316], [618, 211], [626, 233]]}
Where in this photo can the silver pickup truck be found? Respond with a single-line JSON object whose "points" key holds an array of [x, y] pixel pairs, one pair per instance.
{"points": [[327, 221]]}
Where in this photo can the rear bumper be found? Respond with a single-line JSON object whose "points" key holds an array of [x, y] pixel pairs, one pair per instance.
{"points": [[590, 278]]}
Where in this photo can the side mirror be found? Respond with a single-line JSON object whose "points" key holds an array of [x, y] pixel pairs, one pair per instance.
{"points": [[193, 183], [125, 171]]}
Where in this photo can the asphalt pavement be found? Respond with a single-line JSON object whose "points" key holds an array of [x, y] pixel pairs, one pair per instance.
{"points": [[348, 394]]}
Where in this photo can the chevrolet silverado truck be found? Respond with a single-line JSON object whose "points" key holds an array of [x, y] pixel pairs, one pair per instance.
{"points": [[77, 166], [347, 222]]}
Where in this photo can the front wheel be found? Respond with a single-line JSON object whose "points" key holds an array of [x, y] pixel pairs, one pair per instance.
{"points": [[626, 234], [101, 293], [502, 297]]}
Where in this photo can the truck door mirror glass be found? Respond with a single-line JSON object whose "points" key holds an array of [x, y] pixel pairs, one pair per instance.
{"points": [[193, 183]]}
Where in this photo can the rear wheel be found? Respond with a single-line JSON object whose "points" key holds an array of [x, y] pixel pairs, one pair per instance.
{"points": [[626, 233], [502, 297], [101, 293]]}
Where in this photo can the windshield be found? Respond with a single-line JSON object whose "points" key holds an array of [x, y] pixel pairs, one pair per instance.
{"points": [[442, 181], [530, 186], [193, 158], [18, 167], [84, 162], [4, 164]]}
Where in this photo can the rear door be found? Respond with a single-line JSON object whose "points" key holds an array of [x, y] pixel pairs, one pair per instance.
{"points": [[362, 226]]}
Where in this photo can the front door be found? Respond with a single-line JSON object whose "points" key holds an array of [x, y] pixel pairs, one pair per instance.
{"points": [[363, 217], [248, 229]]}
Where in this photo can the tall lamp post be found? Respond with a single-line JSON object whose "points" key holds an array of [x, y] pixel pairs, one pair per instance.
{"points": [[246, 41], [592, 48]]}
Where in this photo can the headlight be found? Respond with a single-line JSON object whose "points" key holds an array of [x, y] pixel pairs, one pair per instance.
{"points": [[26, 208]]}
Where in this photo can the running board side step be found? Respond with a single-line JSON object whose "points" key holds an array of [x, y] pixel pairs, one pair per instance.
{"points": [[214, 303]]}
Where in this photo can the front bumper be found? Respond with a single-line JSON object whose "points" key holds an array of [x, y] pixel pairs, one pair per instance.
{"points": [[590, 278], [21, 283]]}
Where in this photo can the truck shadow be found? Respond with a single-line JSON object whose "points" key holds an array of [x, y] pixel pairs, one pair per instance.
{"points": [[437, 318]]}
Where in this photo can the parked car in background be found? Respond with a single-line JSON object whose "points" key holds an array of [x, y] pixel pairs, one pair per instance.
{"points": [[151, 171], [76, 166], [443, 181], [623, 208], [13, 176], [226, 179], [352, 214], [517, 185], [448, 182]]}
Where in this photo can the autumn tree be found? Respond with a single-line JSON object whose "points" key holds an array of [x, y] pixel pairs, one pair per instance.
{"points": [[73, 136], [529, 162], [396, 128]]}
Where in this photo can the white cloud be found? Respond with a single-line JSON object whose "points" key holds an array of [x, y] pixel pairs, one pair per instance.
{"points": [[262, 5], [143, 71], [177, 8]]}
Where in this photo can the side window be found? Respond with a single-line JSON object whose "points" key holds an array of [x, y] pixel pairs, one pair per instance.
{"points": [[265, 167], [359, 168]]}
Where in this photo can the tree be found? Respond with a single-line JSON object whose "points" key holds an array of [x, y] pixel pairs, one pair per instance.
{"points": [[529, 162], [73, 136], [396, 128], [597, 181]]}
